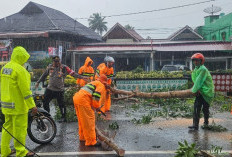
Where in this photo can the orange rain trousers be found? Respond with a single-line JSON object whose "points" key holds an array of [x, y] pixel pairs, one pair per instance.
{"points": [[86, 117], [103, 69], [107, 103]]}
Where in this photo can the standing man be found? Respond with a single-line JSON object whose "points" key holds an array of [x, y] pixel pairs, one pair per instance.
{"points": [[57, 73], [107, 69], [203, 88], [16, 100], [90, 96], [86, 71]]}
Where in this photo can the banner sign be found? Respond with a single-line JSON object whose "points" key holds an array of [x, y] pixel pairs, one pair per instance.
{"points": [[153, 84], [52, 51], [37, 55]]}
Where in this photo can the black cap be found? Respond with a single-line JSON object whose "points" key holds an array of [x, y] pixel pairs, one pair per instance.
{"points": [[56, 58]]}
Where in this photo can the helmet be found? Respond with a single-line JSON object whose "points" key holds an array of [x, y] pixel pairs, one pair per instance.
{"points": [[198, 56], [109, 59], [103, 79], [56, 58]]}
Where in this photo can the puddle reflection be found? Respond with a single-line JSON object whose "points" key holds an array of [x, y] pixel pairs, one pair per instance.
{"points": [[201, 139]]}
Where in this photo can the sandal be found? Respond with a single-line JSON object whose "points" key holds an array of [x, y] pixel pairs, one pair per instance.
{"points": [[30, 154]]}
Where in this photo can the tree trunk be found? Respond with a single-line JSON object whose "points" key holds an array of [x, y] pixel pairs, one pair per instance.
{"points": [[170, 94], [109, 142]]}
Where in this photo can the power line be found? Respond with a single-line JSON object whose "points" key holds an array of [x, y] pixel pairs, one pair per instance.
{"points": [[149, 11]]}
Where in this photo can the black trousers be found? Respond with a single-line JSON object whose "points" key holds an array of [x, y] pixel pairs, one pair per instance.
{"points": [[59, 96], [199, 104]]}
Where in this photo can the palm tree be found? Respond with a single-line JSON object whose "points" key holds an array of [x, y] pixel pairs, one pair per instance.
{"points": [[129, 27], [97, 23]]}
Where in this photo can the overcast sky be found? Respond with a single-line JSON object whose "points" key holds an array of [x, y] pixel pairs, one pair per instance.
{"points": [[161, 24]]}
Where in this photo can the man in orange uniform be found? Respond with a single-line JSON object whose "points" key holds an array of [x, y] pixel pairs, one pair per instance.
{"points": [[92, 95], [86, 71], [107, 69]]}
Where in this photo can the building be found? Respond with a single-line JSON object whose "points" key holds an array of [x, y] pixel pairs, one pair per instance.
{"points": [[38, 28], [130, 51], [217, 27]]}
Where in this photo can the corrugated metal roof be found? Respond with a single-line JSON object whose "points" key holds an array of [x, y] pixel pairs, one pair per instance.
{"points": [[184, 46], [24, 35], [36, 17]]}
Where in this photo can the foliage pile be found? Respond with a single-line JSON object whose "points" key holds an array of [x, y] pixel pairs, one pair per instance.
{"points": [[214, 127], [146, 119], [70, 114], [114, 126], [68, 95], [221, 102], [186, 150], [215, 149], [68, 100]]}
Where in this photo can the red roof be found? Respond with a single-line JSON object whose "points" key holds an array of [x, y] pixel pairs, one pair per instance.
{"points": [[160, 46]]}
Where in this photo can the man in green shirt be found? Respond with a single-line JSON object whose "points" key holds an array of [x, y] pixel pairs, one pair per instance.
{"points": [[203, 88]]}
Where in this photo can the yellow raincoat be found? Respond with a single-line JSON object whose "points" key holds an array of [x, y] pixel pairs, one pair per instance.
{"points": [[16, 100]]}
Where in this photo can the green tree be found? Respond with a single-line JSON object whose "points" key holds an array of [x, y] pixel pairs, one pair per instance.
{"points": [[97, 23], [129, 27]]}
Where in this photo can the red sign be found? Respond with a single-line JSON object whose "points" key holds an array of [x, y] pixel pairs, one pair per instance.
{"points": [[52, 51]]}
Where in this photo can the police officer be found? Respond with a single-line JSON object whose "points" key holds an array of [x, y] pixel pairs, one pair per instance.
{"points": [[16, 100]]}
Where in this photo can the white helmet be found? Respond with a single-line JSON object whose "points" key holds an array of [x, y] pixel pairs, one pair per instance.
{"points": [[109, 59]]}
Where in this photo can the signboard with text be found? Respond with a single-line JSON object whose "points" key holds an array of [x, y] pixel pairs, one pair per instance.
{"points": [[152, 84]]}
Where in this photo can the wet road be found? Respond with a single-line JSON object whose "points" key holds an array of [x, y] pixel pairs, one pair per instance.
{"points": [[159, 138]]}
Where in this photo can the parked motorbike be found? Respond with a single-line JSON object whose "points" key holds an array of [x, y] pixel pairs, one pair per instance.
{"points": [[41, 127]]}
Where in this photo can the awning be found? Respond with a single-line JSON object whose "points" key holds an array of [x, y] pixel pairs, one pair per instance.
{"points": [[184, 47], [24, 35]]}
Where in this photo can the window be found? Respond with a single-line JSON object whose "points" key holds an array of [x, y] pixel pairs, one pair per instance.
{"points": [[223, 34], [214, 37]]}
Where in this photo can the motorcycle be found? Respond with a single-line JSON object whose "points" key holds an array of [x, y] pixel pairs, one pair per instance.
{"points": [[42, 128]]}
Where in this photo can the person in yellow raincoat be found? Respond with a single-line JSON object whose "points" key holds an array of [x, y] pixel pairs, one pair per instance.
{"points": [[86, 71], [92, 95], [16, 100], [107, 69], [203, 88]]}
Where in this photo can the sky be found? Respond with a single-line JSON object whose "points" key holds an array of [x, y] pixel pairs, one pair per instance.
{"points": [[159, 23]]}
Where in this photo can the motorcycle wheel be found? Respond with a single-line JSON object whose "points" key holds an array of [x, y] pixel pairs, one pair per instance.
{"points": [[42, 129]]}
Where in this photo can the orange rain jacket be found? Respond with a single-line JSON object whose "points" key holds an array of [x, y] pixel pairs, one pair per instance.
{"points": [[90, 96], [85, 71], [109, 72]]}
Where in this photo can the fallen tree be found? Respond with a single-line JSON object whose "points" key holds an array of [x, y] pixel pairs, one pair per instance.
{"points": [[109, 142], [169, 94]]}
